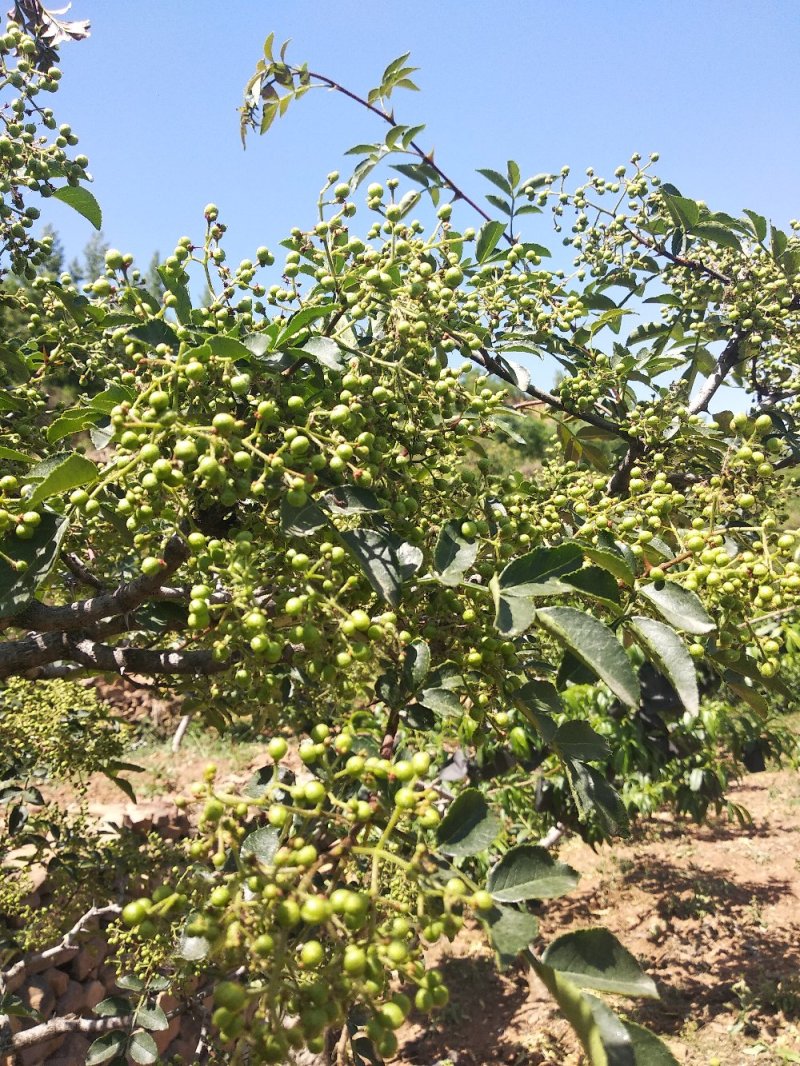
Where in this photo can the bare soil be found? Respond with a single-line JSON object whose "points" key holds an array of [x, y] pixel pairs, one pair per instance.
{"points": [[712, 912]]}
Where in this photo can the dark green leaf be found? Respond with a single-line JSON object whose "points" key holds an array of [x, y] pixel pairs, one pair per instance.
{"points": [[665, 649], [510, 931], [469, 827], [105, 1048], [113, 1007], [594, 795], [530, 872], [378, 559], [488, 238], [82, 201], [73, 471], [524, 579], [183, 305], [612, 560], [228, 347], [155, 332], [40, 554], [142, 1048], [681, 607], [350, 499], [594, 958], [301, 521], [263, 843], [453, 555], [577, 740], [596, 582], [131, 982], [596, 646]]}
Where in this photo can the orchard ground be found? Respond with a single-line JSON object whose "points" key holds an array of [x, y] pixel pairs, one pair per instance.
{"points": [[712, 912]]}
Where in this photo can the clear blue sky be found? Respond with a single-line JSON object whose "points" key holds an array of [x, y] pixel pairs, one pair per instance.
{"points": [[713, 85]]}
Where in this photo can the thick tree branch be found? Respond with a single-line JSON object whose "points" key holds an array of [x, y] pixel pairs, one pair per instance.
{"points": [[16, 975], [23, 656], [126, 598], [726, 362]]}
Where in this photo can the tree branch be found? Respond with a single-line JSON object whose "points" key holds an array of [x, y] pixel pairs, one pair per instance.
{"points": [[16, 975], [491, 363], [726, 362], [23, 656], [126, 598]]}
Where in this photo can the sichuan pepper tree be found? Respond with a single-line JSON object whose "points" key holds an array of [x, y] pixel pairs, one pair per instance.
{"points": [[277, 506]]}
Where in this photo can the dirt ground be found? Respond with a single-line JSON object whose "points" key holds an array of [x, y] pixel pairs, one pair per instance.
{"points": [[712, 913]]}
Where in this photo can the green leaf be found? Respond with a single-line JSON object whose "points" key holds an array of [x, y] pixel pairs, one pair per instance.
{"points": [[665, 649], [225, 347], [496, 178], [14, 456], [759, 224], [113, 1007], [263, 843], [721, 235], [469, 827], [613, 561], [681, 607], [71, 472], [594, 958], [488, 238], [183, 306], [453, 555], [530, 872], [350, 499], [130, 982], [301, 521], [596, 582], [441, 700], [153, 1018], [82, 201], [594, 795], [596, 646], [538, 700], [685, 212], [105, 1048], [416, 664], [378, 559], [326, 351], [142, 1048], [577, 740], [510, 931], [155, 332], [40, 554], [532, 575]]}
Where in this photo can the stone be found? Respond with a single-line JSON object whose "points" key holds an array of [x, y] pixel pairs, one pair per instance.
{"points": [[38, 996], [89, 958], [72, 1052], [57, 980], [73, 1001], [95, 991]]}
